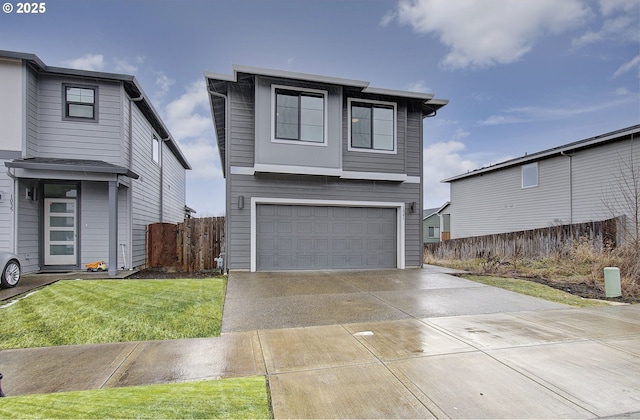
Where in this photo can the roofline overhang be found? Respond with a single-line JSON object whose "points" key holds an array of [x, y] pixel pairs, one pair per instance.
{"points": [[556, 151], [430, 105], [62, 167], [131, 86]]}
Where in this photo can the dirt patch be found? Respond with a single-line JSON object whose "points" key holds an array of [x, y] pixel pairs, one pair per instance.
{"points": [[577, 288], [158, 273]]}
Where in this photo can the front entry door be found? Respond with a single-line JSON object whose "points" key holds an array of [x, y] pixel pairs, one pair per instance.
{"points": [[60, 231]]}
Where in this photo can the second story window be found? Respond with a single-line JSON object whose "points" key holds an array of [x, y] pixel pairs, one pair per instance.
{"points": [[80, 103], [299, 115], [372, 126], [530, 175], [155, 150]]}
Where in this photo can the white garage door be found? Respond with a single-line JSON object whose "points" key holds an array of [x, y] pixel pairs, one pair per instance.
{"points": [[324, 237]]}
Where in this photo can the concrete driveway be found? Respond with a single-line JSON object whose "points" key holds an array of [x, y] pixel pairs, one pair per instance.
{"points": [[383, 344], [258, 301]]}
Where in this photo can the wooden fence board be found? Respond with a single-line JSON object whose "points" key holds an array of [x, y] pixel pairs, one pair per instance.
{"points": [[192, 245], [536, 243]]}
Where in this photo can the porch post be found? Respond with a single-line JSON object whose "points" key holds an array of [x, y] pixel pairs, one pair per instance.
{"points": [[113, 228]]}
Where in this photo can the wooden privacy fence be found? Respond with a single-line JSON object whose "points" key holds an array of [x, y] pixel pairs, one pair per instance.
{"points": [[192, 245], [536, 243]]}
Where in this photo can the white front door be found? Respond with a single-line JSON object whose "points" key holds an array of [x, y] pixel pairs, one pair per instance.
{"points": [[60, 231]]}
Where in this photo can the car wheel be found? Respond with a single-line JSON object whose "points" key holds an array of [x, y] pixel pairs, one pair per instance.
{"points": [[10, 274]]}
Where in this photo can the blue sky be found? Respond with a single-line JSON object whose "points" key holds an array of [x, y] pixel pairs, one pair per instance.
{"points": [[521, 75]]}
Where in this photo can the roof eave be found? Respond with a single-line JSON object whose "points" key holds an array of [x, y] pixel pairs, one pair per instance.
{"points": [[567, 148]]}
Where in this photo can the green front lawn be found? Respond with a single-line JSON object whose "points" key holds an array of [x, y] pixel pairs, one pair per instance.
{"points": [[228, 398], [105, 311]]}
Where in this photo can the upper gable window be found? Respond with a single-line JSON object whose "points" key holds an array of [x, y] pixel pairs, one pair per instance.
{"points": [[155, 150], [80, 103], [530, 175], [299, 115], [372, 126]]}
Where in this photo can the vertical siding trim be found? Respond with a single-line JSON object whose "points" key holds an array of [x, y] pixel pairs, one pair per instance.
{"points": [[400, 218]]}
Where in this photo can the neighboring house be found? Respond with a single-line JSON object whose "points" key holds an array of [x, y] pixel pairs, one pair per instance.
{"points": [[88, 163], [430, 225], [578, 182], [321, 172]]}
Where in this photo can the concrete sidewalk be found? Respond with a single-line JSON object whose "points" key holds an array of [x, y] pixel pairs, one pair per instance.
{"points": [[520, 363]]}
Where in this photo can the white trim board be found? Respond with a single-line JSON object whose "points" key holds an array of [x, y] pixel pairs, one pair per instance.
{"points": [[400, 220]]}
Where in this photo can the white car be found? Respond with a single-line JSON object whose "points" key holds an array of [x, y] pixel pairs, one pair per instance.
{"points": [[11, 269]]}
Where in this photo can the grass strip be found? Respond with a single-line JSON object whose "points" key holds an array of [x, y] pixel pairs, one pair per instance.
{"points": [[236, 398], [105, 311], [534, 289]]}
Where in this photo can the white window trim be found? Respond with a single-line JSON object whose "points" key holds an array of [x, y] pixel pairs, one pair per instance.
{"points": [[522, 175], [400, 220], [274, 139], [395, 126]]}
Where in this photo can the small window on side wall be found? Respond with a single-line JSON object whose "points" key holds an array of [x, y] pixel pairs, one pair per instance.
{"points": [[80, 103], [530, 175], [155, 150]]}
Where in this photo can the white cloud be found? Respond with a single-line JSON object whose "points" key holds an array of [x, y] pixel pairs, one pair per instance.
{"points": [[622, 91], [418, 86], [389, 17], [443, 160], [526, 114], [189, 115], [621, 19], [202, 154], [489, 32], [189, 121], [163, 82], [628, 66], [92, 62], [123, 66]]}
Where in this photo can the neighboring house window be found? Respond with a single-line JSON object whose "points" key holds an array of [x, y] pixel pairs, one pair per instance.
{"points": [[155, 145], [299, 115], [80, 103], [372, 126], [530, 175], [434, 232]]}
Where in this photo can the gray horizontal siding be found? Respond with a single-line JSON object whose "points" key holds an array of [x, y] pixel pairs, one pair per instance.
{"points": [[601, 178], [374, 162], [94, 222], [6, 209], [307, 187], [32, 114], [495, 202], [414, 141], [173, 187], [28, 230], [58, 138], [145, 191], [242, 125]]}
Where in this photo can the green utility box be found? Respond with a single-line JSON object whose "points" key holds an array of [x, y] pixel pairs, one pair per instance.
{"points": [[612, 282]]}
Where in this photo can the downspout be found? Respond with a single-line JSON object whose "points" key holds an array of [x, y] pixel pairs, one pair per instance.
{"points": [[161, 159], [130, 167], [223, 251], [570, 191]]}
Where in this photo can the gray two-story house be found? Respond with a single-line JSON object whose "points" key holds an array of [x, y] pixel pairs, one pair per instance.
{"points": [[321, 172], [587, 180], [87, 165]]}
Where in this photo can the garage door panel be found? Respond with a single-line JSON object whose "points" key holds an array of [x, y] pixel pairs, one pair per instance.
{"points": [[311, 237]]}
